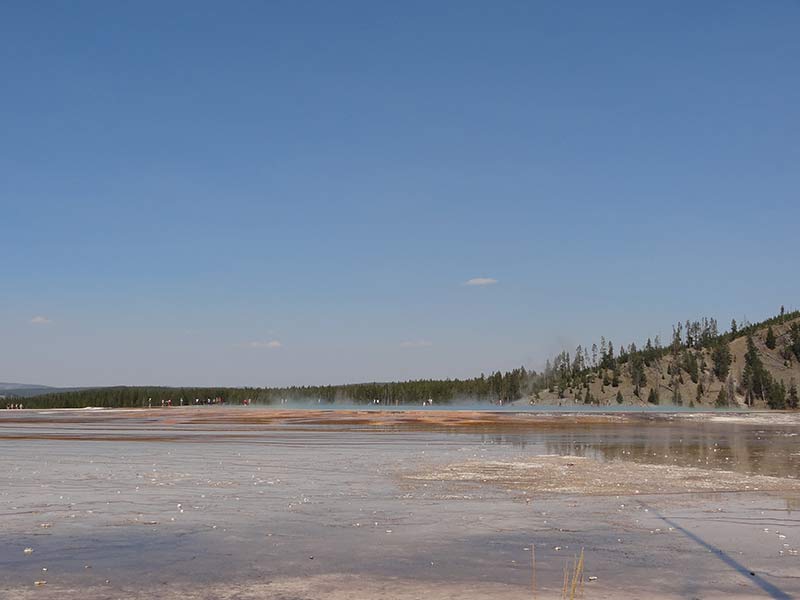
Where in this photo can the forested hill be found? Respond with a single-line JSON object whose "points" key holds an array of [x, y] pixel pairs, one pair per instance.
{"points": [[749, 365]]}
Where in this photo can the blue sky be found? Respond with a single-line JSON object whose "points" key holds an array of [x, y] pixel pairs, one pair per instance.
{"points": [[272, 193]]}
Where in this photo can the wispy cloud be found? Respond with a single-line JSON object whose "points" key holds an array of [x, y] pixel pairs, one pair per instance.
{"points": [[40, 320], [480, 281], [264, 344], [416, 344]]}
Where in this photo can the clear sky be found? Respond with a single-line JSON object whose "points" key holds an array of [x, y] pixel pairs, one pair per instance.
{"points": [[273, 193]]}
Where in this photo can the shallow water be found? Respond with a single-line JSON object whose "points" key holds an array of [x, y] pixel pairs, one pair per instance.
{"points": [[220, 502]]}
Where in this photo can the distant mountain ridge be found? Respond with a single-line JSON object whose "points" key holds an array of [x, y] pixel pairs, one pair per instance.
{"points": [[29, 390], [21, 386]]}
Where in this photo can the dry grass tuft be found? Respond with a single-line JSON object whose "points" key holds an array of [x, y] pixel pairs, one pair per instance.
{"points": [[573, 579]]}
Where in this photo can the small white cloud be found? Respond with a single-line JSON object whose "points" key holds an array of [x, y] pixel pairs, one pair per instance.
{"points": [[480, 281], [40, 320], [416, 344], [263, 344]]}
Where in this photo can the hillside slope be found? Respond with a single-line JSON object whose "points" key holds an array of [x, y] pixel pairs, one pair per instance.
{"points": [[670, 375]]}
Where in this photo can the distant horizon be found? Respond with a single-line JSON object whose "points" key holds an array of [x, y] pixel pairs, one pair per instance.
{"points": [[723, 327]]}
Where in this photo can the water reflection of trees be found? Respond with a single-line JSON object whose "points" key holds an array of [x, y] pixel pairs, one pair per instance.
{"points": [[792, 503], [739, 448]]}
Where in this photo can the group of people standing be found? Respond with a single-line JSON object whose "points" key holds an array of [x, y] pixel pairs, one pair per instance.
{"points": [[167, 403]]}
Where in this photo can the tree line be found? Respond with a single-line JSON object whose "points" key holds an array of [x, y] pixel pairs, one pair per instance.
{"points": [[497, 387]]}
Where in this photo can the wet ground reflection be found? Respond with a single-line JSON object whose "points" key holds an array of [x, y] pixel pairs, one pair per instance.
{"points": [[214, 504]]}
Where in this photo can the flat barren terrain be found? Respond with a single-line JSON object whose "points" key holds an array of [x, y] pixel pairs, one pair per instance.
{"points": [[243, 503]]}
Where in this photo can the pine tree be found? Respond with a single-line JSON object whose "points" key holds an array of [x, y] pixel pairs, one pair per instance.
{"points": [[777, 395], [793, 400], [721, 357], [722, 397], [620, 399], [636, 366], [755, 378], [730, 389], [677, 336], [652, 398], [677, 399], [770, 338], [795, 339], [691, 366]]}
